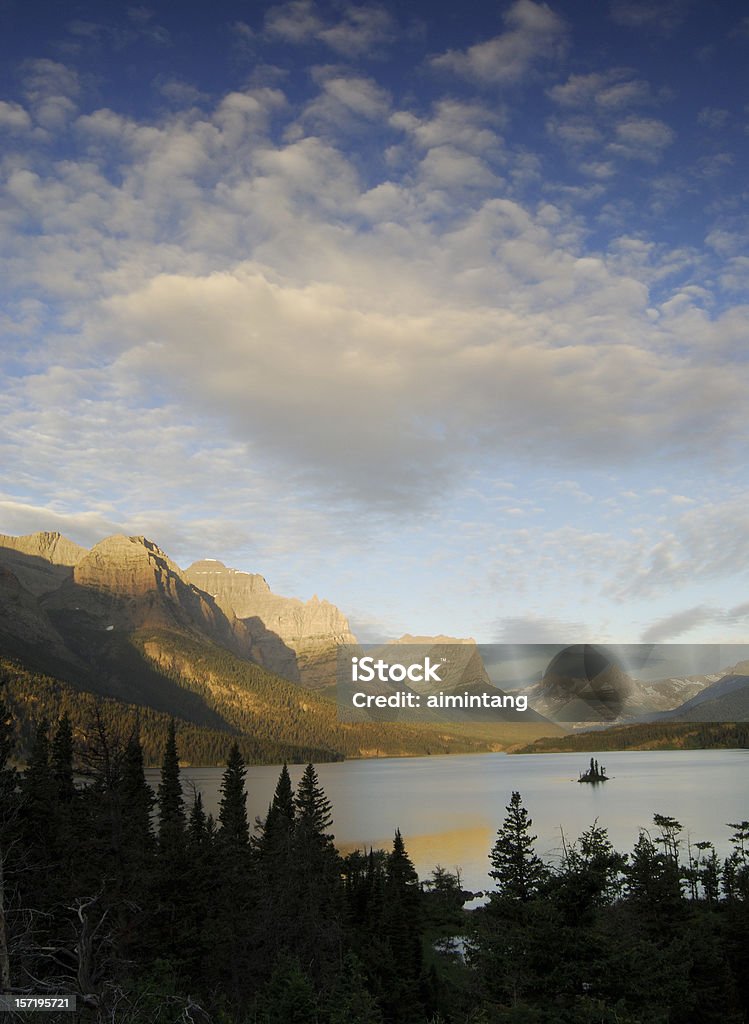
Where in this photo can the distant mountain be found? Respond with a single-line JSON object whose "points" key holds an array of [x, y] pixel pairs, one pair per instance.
{"points": [[462, 673], [725, 700], [296, 639], [582, 684]]}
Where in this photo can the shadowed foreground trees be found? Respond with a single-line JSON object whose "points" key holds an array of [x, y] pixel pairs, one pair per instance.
{"points": [[166, 917]]}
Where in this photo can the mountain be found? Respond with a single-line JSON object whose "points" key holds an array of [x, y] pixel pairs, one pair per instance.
{"points": [[40, 561], [121, 628], [725, 700], [583, 684], [310, 633], [128, 583], [461, 674]]}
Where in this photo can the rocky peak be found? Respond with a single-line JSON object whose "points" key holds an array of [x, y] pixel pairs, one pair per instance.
{"points": [[52, 547], [313, 630], [127, 566], [41, 561]]}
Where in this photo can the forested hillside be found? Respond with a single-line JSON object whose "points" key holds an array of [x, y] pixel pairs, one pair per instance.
{"points": [[648, 736], [272, 720]]}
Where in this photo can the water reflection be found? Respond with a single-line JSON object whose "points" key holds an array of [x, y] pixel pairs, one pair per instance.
{"points": [[449, 808]]}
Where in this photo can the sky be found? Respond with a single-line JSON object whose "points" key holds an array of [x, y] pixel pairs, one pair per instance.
{"points": [[436, 311]]}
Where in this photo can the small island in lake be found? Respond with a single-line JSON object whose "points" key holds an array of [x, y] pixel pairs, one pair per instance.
{"points": [[594, 773]]}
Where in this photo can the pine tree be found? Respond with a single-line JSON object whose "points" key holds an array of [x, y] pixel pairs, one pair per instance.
{"points": [[197, 826], [518, 872], [313, 811], [313, 891], [402, 930], [138, 799], [233, 827], [281, 810], [170, 802]]}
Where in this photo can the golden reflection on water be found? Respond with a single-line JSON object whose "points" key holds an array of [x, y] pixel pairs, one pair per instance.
{"points": [[451, 847]]}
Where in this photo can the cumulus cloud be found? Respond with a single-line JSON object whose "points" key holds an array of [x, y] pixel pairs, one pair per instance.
{"points": [[639, 138], [533, 33], [597, 125], [607, 90], [355, 32], [372, 361]]}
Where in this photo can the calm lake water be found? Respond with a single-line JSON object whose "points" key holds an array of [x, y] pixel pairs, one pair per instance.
{"points": [[449, 808]]}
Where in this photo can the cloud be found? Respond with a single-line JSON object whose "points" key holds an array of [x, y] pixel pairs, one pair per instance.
{"points": [[360, 29], [678, 624], [533, 33], [294, 22], [470, 126], [608, 90], [13, 117], [640, 138], [595, 120], [662, 16], [356, 32], [539, 629], [704, 543], [431, 337], [52, 90]]}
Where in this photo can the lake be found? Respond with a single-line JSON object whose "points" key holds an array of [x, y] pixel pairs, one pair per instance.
{"points": [[449, 808]]}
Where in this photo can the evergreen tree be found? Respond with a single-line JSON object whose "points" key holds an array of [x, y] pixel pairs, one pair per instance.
{"points": [[401, 927], [279, 822], [518, 872], [197, 826], [289, 997], [138, 799], [170, 802], [233, 827], [350, 1001], [314, 892], [313, 810]]}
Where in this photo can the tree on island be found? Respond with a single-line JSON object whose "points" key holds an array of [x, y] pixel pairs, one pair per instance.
{"points": [[594, 773]]}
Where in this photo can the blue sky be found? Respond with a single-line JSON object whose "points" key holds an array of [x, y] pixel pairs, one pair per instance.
{"points": [[438, 312]]}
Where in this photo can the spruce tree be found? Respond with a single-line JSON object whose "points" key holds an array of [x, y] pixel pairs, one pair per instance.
{"points": [[233, 827], [314, 892], [518, 872], [197, 826], [313, 810], [402, 931], [137, 798], [170, 802]]}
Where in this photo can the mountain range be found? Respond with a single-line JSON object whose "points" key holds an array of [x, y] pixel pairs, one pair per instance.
{"points": [[215, 647]]}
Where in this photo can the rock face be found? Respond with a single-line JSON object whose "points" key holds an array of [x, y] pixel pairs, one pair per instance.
{"points": [[23, 623], [40, 561], [128, 583], [312, 630], [51, 586]]}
